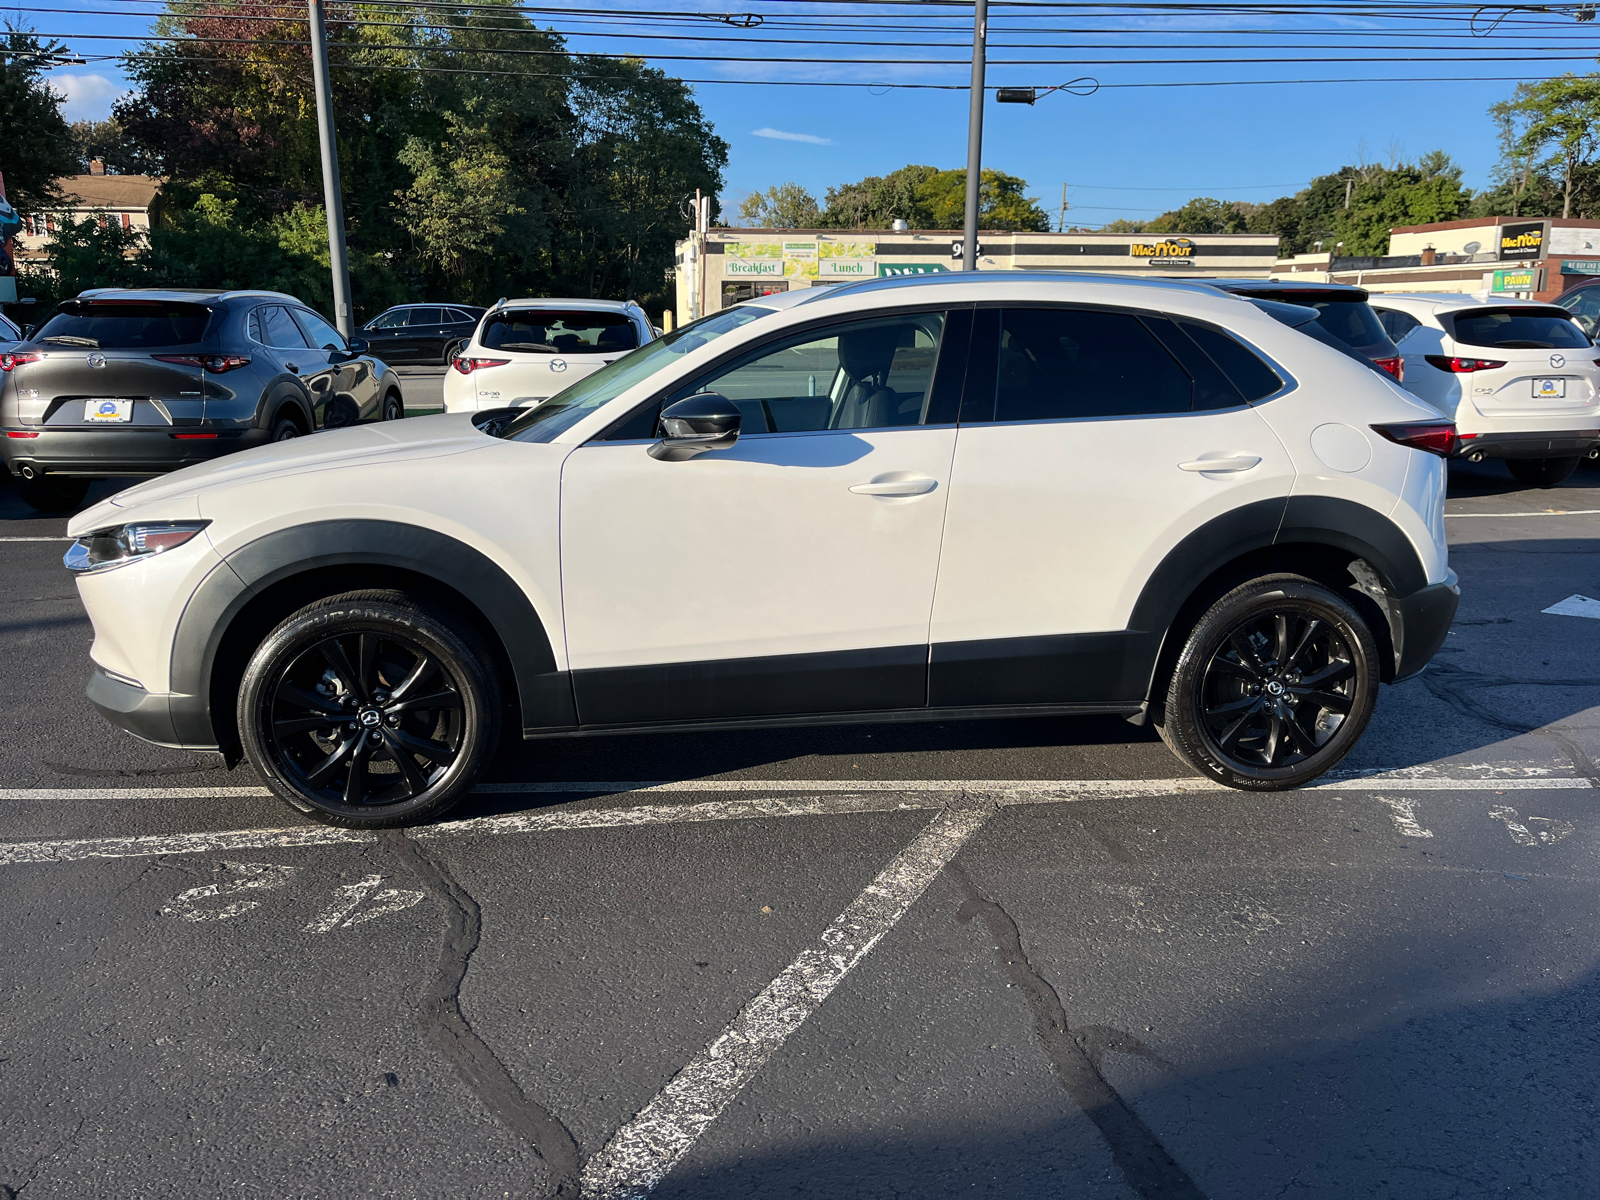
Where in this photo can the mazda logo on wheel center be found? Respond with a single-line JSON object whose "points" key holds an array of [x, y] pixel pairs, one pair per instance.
{"points": [[370, 717]]}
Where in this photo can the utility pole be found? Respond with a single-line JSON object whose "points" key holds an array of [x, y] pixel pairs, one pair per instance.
{"points": [[1349, 184], [332, 193], [1062, 226], [980, 34]]}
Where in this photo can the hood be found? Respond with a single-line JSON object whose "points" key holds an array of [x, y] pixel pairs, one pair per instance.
{"points": [[381, 441]]}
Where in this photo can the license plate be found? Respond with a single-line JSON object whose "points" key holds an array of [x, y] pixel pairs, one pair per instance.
{"points": [[107, 411], [1549, 389]]}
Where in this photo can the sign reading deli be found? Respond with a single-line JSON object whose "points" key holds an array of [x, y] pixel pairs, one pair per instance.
{"points": [[1522, 241], [1179, 250]]}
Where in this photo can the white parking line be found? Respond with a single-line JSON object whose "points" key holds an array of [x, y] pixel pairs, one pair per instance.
{"points": [[645, 1149], [1549, 512], [35, 539]]}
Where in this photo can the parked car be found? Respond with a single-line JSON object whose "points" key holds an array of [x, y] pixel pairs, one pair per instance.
{"points": [[525, 351], [936, 497], [421, 333], [1583, 302], [121, 382], [10, 332], [1343, 313], [1518, 378]]}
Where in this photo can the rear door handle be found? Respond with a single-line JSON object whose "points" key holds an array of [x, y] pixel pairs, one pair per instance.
{"points": [[915, 486], [1242, 462], [291, 368]]}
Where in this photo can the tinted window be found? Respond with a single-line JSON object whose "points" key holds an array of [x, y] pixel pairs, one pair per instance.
{"points": [[1062, 363], [457, 316], [424, 316], [1396, 324], [1518, 329], [554, 331], [8, 329], [320, 332], [1583, 302], [124, 324], [393, 319], [1351, 321], [278, 329], [1243, 366], [864, 375]]}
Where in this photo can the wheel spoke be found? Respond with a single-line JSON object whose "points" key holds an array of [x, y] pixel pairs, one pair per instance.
{"points": [[355, 785], [431, 700], [1312, 626], [1274, 745], [435, 752], [425, 667], [1218, 711], [288, 693], [294, 725], [1334, 672], [1231, 737], [340, 662], [1280, 638], [1299, 736], [1335, 701], [416, 781], [325, 769], [1238, 670], [1247, 655], [367, 649]]}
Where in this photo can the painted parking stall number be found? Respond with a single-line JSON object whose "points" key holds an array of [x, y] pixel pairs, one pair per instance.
{"points": [[349, 898], [193, 904]]}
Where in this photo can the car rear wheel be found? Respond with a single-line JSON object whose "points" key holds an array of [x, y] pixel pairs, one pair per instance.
{"points": [[450, 352], [393, 410], [52, 493], [285, 429], [369, 710], [1542, 472], [1275, 684]]}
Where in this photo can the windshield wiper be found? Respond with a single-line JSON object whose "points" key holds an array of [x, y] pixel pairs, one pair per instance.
{"points": [[68, 339]]}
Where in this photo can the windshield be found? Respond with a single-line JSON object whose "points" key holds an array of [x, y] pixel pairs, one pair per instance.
{"points": [[558, 331], [1519, 329], [124, 324], [566, 408]]}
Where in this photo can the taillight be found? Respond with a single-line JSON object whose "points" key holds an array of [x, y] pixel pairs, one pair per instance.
{"points": [[216, 364], [468, 365], [1436, 437], [1396, 366], [1462, 366], [10, 362]]}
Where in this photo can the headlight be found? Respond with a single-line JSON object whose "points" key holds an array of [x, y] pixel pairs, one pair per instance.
{"points": [[125, 543]]}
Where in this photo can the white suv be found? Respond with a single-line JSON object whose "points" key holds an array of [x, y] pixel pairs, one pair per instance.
{"points": [[953, 496], [1519, 379], [525, 351]]}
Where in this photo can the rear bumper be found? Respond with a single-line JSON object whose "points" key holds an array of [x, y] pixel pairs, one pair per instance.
{"points": [[151, 716], [113, 453], [1569, 443], [1423, 621]]}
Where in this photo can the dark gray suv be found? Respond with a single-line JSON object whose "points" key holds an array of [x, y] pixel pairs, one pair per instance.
{"points": [[122, 382]]}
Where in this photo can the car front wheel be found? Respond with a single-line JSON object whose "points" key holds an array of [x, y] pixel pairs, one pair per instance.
{"points": [[1273, 687], [1542, 472], [47, 494], [369, 710]]}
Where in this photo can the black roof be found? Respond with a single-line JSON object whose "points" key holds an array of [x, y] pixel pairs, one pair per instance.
{"points": [[1285, 288]]}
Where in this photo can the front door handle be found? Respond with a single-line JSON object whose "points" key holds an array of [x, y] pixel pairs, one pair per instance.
{"points": [[1241, 462], [291, 368], [915, 485]]}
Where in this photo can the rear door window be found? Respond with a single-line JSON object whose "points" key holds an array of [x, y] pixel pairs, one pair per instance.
{"points": [[423, 316], [279, 330], [1519, 329], [559, 331], [125, 324]]}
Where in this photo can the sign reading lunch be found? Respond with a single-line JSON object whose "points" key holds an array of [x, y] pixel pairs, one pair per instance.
{"points": [[1522, 241], [1166, 250]]}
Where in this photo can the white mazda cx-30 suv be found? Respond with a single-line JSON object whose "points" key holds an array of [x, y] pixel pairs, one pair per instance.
{"points": [[525, 351], [964, 496]]}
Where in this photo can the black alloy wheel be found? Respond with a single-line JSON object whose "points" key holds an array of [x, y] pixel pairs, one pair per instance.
{"points": [[369, 710], [1275, 685], [393, 410]]}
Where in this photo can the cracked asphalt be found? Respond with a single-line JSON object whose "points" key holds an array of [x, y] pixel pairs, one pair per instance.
{"points": [[1382, 987]]}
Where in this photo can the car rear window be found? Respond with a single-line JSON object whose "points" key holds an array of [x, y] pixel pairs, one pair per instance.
{"points": [[1351, 321], [1519, 329], [558, 331], [124, 324]]}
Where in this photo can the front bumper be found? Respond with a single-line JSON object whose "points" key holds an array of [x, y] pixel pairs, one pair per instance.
{"points": [[175, 721], [1569, 443], [1421, 623], [115, 453]]}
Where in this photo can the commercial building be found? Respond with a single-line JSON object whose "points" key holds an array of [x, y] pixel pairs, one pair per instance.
{"points": [[724, 266], [1533, 258]]}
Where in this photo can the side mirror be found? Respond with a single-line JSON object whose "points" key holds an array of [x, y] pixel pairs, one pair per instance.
{"points": [[697, 424], [358, 345], [28, 331]]}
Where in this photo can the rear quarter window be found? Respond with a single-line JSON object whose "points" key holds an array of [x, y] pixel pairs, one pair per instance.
{"points": [[1518, 329], [125, 325], [1243, 366]]}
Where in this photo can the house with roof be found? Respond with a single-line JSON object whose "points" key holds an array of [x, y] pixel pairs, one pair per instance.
{"points": [[129, 200]]}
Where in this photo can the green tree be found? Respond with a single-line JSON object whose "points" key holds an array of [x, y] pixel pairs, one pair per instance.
{"points": [[782, 206], [38, 145], [1555, 118], [107, 141], [928, 198], [455, 207], [1201, 215]]}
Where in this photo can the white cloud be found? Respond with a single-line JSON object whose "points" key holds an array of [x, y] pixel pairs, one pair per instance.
{"points": [[88, 97], [784, 136]]}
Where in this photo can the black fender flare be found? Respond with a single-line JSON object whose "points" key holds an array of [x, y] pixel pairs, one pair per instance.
{"points": [[544, 694], [1317, 520], [285, 389]]}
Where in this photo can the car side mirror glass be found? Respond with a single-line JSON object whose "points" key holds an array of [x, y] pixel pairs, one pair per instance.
{"points": [[358, 345], [692, 426]]}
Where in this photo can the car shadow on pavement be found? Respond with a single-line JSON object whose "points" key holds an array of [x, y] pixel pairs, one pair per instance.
{"points": [[1491, 478]]}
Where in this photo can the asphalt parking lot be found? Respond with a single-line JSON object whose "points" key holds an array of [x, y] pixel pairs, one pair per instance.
{"points": [[1006, 958]]}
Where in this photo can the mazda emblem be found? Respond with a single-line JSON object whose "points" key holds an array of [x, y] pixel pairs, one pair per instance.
{"points": [[558, 365], [97, 361], [1558, 361]]}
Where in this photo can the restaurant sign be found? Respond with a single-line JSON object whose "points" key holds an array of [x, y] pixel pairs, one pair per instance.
{"points": [[1179, 250], [1522, 241]]}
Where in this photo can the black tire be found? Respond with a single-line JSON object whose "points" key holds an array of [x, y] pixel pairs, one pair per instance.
{"points": [[52, 493], [1542, 472], [393, 409], [1276, 683], [344, 669], [285, 429], [450, 352]]}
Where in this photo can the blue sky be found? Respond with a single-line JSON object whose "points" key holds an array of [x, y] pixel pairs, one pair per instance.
{"points": [[1125, 151]]}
